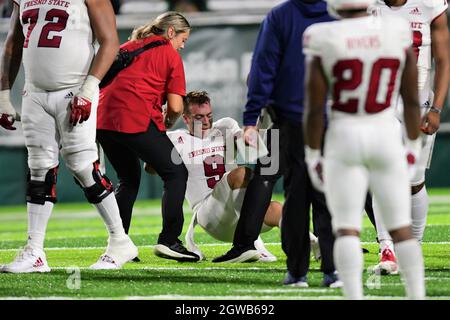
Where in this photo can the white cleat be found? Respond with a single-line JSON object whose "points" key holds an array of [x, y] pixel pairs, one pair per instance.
{"points": [[388, 263], [266, 256], [28, 260], [118, 252]]}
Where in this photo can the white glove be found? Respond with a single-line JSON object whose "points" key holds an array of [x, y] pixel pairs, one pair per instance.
{"points": [[413, 149], [314, 161], [82, 101], [7, 112]]}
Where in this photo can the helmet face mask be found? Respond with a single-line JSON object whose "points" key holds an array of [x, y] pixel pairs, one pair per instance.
{"points": [[333, 6]]}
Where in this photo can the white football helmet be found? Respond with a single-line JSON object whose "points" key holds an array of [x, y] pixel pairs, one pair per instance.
{"points": [[333, 6]]}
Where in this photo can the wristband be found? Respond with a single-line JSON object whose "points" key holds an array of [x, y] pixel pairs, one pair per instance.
{"points": [[5, 103], [312, 155], [89, 87], [435, 109]]}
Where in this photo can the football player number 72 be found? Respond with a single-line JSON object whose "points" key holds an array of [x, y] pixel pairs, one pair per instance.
{"points": [[57, 22]]}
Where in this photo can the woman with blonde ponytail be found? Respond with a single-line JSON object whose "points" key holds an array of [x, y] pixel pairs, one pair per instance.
{"points": [[131, 125]]}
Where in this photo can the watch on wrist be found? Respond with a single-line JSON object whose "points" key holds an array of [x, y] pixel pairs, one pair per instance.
{"points": [[435, 109]]}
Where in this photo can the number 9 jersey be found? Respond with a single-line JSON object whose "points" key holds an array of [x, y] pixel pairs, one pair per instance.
{"points": [[362, 59], [58, 48], [207, 159]]}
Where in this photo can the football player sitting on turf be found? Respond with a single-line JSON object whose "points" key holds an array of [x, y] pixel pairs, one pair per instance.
{"points": [[216, 185]]}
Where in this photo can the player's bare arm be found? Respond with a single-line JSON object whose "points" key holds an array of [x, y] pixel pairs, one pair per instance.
{"points": [[440, 50], [12, 52], [410, 95], [10, 64], [316, 90], [316, 94], [103, 23]]}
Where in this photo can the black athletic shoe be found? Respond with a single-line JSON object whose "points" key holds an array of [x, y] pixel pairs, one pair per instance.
{"points": [[175, 251], [293, 281], [239, 255], [331, 280]]}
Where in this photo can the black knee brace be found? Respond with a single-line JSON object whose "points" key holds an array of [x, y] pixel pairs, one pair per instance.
{"points": [[40, 191], [102, 187]]}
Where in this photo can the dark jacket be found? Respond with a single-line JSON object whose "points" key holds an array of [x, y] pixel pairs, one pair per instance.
{"points": [[277, 71]]}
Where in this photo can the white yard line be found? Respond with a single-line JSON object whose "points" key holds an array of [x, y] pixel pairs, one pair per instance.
{"points": [[217, 297], [182, 268], [219, 244], [73, 214]]}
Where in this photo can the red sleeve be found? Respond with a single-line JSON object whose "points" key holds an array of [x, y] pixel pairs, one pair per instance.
{"points": [[176, 82]]}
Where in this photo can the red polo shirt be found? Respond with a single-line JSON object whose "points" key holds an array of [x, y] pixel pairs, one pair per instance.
{"points": [[136, 95]]}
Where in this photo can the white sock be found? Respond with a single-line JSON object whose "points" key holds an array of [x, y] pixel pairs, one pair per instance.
{"points": [[38, 215], [410, 262], [386, 244], [108, 208], [348, 259], [259, 245], [384, 238], [419, 211], [109, 211]]}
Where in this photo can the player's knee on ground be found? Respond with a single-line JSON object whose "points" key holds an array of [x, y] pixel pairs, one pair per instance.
{"points": [[273, 214], [40, 190], [238, 178], [96, 186]]}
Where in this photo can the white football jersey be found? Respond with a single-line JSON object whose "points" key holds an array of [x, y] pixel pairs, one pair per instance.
{"points": [[420, 14], [362, 60], [58, 48], [207, 159]]}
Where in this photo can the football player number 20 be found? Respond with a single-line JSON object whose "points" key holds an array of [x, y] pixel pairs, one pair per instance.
{"points": [[349, 75], [57, 22], [214, 169]]}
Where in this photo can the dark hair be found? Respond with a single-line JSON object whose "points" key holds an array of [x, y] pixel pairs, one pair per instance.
{"points": [[194, 97]]}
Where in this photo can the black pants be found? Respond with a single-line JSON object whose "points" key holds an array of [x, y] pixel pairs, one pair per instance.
{"points": [[154, 147], [300, 195]]}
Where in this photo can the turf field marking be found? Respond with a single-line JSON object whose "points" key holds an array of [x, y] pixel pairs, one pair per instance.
{"points": [[219, 244], [186, 297], [203, 245], [184, 268], [293, 290], [73, 214]]}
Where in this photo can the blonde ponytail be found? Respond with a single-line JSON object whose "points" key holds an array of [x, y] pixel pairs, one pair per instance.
{"points": [[160, 25]]}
